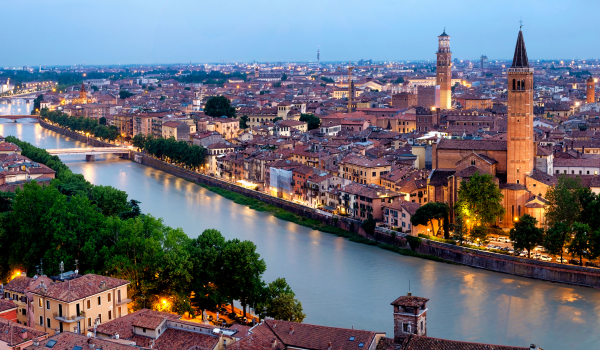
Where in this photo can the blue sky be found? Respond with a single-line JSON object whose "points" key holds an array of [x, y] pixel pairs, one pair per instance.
{"points": [[175, 31]]}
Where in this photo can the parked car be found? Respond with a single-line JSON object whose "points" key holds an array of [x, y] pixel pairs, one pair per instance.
{"points": [[545, 258], [574, 262], [591, 264], [523, 254], [510, 251], [561, 260]]}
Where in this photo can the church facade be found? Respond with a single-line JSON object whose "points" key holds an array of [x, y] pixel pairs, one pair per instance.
{"points": [[510, 158]]}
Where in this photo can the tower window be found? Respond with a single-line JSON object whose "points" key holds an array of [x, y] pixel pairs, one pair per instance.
{"points": [[514, 84]]}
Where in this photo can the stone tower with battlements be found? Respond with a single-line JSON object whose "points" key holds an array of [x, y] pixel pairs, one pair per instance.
{"points": [[444, 70], [520, 148]]}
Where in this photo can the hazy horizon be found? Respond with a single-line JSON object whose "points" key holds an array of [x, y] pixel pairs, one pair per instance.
{"points": [[131, 32]]}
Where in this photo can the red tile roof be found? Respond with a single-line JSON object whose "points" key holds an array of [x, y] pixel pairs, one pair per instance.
{"points": [[79, 288]]}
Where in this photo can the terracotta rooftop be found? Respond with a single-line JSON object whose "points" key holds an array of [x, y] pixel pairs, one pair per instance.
{"points": [[79, 288], [18, 284], [308, 336], [68, 341], [410, 301], [14, 334], [415, 342]]}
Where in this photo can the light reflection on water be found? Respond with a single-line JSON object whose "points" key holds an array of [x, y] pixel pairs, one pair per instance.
{"points": [[345, 284]]}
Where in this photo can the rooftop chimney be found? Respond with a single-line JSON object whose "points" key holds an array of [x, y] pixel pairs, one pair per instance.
{"points": [[24, 334], [274, 343], [329, 346], [291, 329]]}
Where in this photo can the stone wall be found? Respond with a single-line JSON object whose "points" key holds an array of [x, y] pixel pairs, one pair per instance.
{"points": [[75, 136], [570, 274]]}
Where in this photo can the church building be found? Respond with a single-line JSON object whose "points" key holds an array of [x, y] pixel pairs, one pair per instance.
{"points": [[511, 158]]}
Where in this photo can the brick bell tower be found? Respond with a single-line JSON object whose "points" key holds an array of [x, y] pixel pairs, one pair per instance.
{"points": [[444, 70], [410, 316], [520, 141], [590, 91]]}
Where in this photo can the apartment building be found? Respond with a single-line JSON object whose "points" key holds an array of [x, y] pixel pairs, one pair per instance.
{"points": [[72, 302], [364, 171]]}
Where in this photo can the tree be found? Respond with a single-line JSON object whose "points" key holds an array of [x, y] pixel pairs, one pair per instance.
{"points": [[277, 84], [280, 302], [244, 122], [284, 77], [458, 230], [162, 98], [95, 88], [243, 267], [429, 212], [525, 234], [555, 239], [564, 205], [312, 120], [579, 244], [206, 253], [480, 199], [124, 94], [187, 88], [369, 226], [399, 80], [36, 103], [219, 106], [102, 121], [139, 141], [285, 307]]}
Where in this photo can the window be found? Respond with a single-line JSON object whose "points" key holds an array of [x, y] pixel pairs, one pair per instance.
{"points": [[100, 318], [41, 321], [405, 327], [421, 325], [374, 173], [360, 345], [24, 312], [109, 315], [50, 344], [47, 304], [472, 162], [89, 321], [144, 330], [40, 302], [99, 300], [48, 322], [89, 304]]}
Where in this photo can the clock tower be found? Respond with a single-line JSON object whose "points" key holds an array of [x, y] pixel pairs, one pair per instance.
{"points": [[444, 71]]}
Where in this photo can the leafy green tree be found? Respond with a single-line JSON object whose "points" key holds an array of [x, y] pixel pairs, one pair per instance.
{"points": [[285, 307], [244, 122], [579, 245], [139, 141], [525, 234], [36, 103], [429, 212], [95, 88], [277, 84], [162, 98], [124, 94], [458, 229], [594, 245], [312, 120], [479, 233], [187, 88], [206, 253], [590, 208], [369, 226], [244, 268], [564, 205], [284, 77], [109, 200], [399, 80], [480, 199], [102, 121], [555, 239], [219, 106]]}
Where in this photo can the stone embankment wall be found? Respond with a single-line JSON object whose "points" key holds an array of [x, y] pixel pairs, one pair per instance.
{"points": [[75, 136], [570, 274]]}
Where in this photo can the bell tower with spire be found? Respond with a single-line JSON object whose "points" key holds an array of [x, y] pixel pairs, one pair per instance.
{"points": [[520, 141], [444, 71]]}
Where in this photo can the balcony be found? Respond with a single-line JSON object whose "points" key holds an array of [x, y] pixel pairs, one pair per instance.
{"points": [[124, 301], [69, 319]]}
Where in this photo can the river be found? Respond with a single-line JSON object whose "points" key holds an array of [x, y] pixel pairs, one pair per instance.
{"points": [[345, 284]]}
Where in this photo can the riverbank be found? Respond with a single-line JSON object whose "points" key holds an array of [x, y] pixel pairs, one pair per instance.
{"points": [[351, 229]]}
